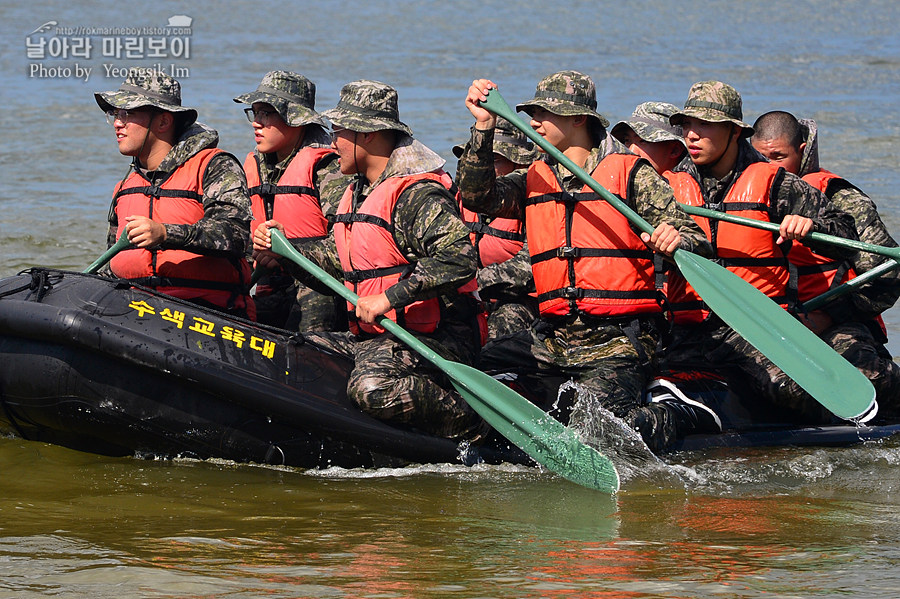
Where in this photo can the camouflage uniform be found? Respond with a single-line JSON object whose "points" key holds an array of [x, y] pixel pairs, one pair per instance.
{"points": [[856, 335], [505, 286], [290, 304], [225, 226], [510, 143], [712, 345], [389, 380], [874, 297], [614, 358]]}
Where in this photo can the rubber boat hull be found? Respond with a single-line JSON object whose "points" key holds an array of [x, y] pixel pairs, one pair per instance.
{"points": [[97, 365]]}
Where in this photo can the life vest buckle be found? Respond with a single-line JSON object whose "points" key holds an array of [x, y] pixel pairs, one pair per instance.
{"points": [[571, 293], [567, 252]]}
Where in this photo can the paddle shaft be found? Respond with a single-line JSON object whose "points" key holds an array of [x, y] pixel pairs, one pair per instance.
{"points": [[814, 236], [852, 244], [120, 244], [848, 286]]}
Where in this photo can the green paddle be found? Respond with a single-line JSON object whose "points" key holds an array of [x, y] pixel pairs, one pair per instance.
{"points": [[822, 238], [258, 273], [120, 244], [844, 288], [534, 431], [803, 356]]}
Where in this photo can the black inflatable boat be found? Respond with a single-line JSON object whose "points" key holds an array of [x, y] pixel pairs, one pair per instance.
{"points": [[97, 365]]}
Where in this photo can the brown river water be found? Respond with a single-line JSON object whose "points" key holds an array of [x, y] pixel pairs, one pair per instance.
{"points": [[785, 522]]}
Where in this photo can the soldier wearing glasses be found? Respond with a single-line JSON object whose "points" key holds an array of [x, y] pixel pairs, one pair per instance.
{"points": [[294, 179], [183, 203], [401, 245]]}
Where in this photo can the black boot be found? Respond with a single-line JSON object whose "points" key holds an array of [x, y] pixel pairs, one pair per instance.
{"points": [[690, 416]]}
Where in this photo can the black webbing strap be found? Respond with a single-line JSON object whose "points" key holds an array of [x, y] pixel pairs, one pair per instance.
{"points": [[355, 276], [573, 253]]}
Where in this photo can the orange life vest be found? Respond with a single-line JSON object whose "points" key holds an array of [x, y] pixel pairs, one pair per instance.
{"points": [[294, 200], [817, 274], [180, 273], [683, 301], [585, 257], [495, 240], [822, 179], [747, 252], [369, 255]]}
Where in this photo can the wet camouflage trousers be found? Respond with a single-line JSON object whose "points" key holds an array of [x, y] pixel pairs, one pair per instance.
{"points": [[719, 349], [296, 307], [602, 356], [392, 382], [508, 317], [314, 311]]}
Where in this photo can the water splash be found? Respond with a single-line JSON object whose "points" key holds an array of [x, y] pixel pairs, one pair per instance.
{"points": [[478, 471], [599, 428]]}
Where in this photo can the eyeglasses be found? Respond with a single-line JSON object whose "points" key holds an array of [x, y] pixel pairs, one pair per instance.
{"points": [[122, 115], [259, 116], [336, 131]]}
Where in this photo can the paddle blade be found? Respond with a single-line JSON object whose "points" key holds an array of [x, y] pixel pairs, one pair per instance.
{"points": [[800, 353], [528, 427], [538, 434]]}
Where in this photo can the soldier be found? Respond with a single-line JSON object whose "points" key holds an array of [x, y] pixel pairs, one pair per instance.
{"points": [[852, 324], [183, 203], [595, 276], [649, 134], [399, 243], [734, 178], [504, 267], [294, 179]]}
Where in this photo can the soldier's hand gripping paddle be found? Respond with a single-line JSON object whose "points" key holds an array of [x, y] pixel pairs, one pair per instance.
{"points": [[535, 432], [851, 244], [803, 356]]}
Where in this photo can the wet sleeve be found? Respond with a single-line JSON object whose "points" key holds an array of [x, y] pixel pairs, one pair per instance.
{"points": [[434, 238], [874, 297], [323, 253], [480, 189], [224, 228], [509, 279], [331, 184], [793, 195], [655, 201], [111, 233]]}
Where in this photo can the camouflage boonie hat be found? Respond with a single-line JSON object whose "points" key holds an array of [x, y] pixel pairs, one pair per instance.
{"points": [[146, 87], [510, 143], [566, 93], [650, 122], [715, 102], [366, 106], [292, 95]]}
